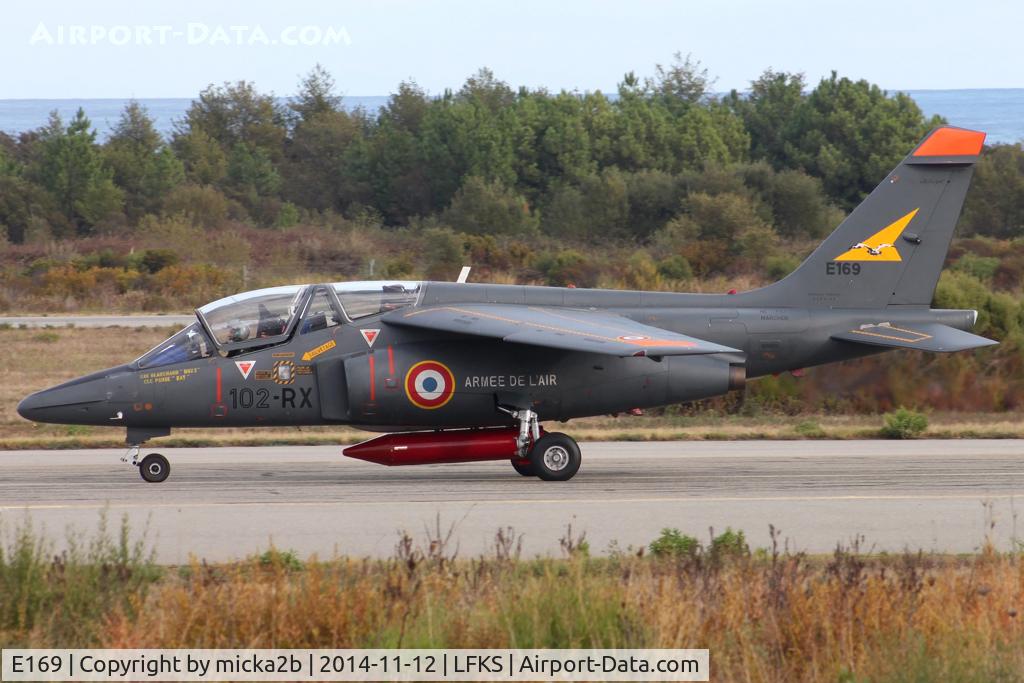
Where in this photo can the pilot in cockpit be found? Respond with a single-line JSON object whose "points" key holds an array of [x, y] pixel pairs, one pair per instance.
{"points": [[269, 325]]}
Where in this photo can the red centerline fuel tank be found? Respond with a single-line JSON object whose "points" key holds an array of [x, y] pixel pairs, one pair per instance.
{"points": [[424, 448]]}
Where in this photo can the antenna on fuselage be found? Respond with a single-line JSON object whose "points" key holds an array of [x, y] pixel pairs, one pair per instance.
{"points": [[464, 274]]}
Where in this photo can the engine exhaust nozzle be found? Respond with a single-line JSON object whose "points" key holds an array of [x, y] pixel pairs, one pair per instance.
{"points": [[737, 376]]}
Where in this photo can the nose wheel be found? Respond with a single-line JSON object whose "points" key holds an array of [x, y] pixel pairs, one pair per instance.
{"points": [[154, 468]]}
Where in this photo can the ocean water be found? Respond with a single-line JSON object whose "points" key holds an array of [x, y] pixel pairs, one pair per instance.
{"points": [[1000, 112], [17, 116]]}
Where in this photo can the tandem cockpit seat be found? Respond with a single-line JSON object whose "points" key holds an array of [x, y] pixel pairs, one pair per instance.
{"points": [[246, 322]]}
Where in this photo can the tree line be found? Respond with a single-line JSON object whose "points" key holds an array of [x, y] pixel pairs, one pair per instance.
{"points": [[664, 161], [663, 184]]}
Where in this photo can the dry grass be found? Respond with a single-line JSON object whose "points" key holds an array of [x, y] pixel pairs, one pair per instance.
{"points": [[767, 615], [32, 359]]}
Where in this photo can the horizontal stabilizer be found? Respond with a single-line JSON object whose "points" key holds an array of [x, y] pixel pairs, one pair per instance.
{"points": [[562, 328], [923, 337]]}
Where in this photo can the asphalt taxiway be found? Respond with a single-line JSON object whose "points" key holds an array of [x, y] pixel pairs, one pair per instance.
{"points": [[223, 503]]}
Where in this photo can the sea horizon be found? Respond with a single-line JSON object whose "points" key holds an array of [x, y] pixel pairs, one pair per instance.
{"points": [[999, 112]]}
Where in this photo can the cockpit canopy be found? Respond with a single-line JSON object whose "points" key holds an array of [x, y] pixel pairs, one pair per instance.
{"points": [[260, 314], [265, 317], [361, 299]]}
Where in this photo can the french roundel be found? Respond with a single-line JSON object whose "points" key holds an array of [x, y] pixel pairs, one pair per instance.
{"points": [[429, 384]]}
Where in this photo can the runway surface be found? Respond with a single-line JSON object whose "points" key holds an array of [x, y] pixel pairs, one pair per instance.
{"points": [[97, 320], [223, 503]]}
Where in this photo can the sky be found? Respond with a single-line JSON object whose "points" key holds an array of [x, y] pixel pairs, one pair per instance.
{"points": [[65, 49]]}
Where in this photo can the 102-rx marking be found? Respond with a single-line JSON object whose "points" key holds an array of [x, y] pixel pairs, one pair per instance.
{"points": [[247, 398], [834, 268]]}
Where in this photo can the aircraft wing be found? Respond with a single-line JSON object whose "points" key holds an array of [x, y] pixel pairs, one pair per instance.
{"points": [[559, 328], [920, 336]]}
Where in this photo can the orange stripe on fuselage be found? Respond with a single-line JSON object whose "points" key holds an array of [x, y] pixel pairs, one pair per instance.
{"points": [[951, 142]]}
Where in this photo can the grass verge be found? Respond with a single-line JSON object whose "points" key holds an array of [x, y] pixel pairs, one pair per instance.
{"points": [[766, 615], [733, 428]]}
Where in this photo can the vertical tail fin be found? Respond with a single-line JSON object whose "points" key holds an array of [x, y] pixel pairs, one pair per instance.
{"points": [[891, 248]]}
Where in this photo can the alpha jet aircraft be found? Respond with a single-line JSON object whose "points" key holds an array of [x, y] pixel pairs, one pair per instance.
{"points": [[459, 372]]}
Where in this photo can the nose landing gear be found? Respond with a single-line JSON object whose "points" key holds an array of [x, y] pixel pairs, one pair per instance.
{"points": [[153, 468]]}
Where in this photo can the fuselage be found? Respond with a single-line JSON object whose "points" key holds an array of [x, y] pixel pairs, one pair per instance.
{"points": [[329, 359]]}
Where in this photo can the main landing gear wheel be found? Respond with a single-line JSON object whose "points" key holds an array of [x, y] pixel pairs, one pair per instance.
{"points": [[154, 468], [555, 457], [525, 470]]}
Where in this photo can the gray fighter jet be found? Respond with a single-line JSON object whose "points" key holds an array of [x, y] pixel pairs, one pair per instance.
{"points": [[459, 372]]}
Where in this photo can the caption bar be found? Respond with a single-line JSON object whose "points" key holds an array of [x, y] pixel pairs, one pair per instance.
{"points": [[354, 665]]}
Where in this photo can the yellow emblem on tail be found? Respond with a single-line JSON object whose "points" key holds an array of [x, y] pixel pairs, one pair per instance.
{"points": [[882, 245]]}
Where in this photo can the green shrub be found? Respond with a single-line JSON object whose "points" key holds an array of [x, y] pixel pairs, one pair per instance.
{"points": [[489, 207], [809, 429], [287, 216], [203, 205], [673, 543], [398, 268], [66, 597], [981, 267], [155, 260], [780, 265], [904, 424], [675, 268], [729, 544], [281, 559], [641, 272], [567, 267], [443, 253]]}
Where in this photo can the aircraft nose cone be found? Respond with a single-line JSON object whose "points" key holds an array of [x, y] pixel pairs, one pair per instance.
{"points": [[80, 401], [31, 404], [49, 405]]}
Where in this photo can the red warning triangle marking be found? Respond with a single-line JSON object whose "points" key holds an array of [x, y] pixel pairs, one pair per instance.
{"points": [[245, 367], [369, 336]]}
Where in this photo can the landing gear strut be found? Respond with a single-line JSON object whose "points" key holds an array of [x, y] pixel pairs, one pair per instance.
{"points": [[153, 468], [529, 433], [551, 457]]}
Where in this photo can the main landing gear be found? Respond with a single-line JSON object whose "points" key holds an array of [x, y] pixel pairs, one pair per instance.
{"points": [[153, 468], [555, 457], [524, 467], [550, 456]]}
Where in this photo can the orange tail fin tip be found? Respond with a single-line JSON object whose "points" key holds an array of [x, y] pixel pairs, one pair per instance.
{"points": [[950, 141]]}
